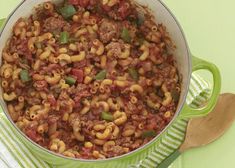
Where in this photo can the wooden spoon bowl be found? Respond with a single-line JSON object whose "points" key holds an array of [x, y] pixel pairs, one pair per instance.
{"points": [[204, 130]]}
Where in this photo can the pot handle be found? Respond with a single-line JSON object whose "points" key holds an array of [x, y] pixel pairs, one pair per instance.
{"points": [[1, 22], [199, 64]]}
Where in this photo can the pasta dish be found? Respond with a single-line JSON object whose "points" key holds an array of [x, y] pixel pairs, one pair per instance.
{"points": [[90, 79]]}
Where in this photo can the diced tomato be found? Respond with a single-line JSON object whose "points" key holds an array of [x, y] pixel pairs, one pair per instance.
{"points": [[79, 96], [124, 9], [106, 8], [40, 84], [93, 2], [82, 3], [52, 67], [52, 99], [78, 73], [86, 151], [80, 64], [78, 105], [147, 66], [73, 2], [52, 119], [32, 134], [22, 49], [84, 93], [170, 59], [74, 27], [152, 124], [95, 17]]}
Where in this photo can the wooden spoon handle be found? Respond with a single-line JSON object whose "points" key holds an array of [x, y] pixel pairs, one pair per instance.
{"points": [[167, 162]]}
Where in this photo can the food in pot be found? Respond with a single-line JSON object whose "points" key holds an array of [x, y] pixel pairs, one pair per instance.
{"points": [[90, 79]]}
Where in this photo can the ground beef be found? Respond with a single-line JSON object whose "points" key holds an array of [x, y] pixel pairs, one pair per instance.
{"points": [[108, 30], [115, 49], [52, 24], [80, 64]]}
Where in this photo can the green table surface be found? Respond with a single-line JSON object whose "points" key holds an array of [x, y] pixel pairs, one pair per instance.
{"points": [[209, 26]]}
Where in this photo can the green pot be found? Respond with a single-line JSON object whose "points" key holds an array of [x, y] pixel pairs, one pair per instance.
{"points": [[186, 64]]}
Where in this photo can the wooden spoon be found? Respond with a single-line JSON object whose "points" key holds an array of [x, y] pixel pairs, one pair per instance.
{"points": [[204, 130]]}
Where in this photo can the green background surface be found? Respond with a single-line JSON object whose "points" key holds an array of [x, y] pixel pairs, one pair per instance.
{"points": [[209, 26]]}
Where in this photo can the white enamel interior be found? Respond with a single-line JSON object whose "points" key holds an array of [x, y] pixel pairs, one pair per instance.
{"points": [[162, 14]]}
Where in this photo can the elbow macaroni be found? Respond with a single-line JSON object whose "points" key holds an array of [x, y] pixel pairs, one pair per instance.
{"points": [[105, 134], [37, 28], [126, 53], [20, 104], [45, 55], [167, 100], [136, 88], [86, 107], [119, 117], [78, 58], [104, 104], [76, 131], [9, 97], [145, 53], [57, 145], [98, 48], [7, 57], [53, 79]]}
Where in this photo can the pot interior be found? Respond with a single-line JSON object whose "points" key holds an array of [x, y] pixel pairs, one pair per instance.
{"points": [[162, 14]]}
